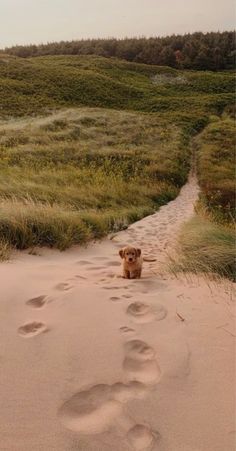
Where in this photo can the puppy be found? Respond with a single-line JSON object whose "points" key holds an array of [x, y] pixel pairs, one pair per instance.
{"points": [[133, 262]]}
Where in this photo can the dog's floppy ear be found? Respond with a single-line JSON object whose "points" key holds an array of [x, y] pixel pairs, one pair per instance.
{"points": [[138, 252], [121, 252]]}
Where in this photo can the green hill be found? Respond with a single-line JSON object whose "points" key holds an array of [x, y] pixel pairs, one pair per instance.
{"points": [[89, 144], [36, 85]]}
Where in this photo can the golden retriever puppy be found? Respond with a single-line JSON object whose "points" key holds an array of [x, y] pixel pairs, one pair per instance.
{"points": [[132, 262]]}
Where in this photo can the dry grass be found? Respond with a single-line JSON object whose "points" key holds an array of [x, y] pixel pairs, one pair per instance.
{"points": [[207, 243], [5, 249], [82, 173], [216, 168], [205, 247]]}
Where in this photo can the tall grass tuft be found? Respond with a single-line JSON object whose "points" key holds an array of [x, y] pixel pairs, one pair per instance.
{"points": [[206, 247], [5, 249]]}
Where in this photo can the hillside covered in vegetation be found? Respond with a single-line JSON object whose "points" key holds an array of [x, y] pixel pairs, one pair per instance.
{"points": [[80, 173], [198, 51], [89, 144], [32, 86], [207, 242]]}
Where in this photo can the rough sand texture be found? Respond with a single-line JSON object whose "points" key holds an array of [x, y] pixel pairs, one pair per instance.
{"points": [[93, 362]]}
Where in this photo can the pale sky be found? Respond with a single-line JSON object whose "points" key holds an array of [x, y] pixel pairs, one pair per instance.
{"points": [[41, 21]]}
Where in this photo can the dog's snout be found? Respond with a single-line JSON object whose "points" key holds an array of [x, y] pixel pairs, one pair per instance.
{"points": [[130, 259]]}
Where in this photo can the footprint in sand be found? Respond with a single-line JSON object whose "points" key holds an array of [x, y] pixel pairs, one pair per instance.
{"points": [[145, 313], [141, 437], [114, 263], [111, 288], [95, 410], [115, 298], [37, 302], [130, 241], [115, 288], [32, 329], [63, 286], [100, 258], [127, 330], [95, 268], [140, 364], [109, 275]]}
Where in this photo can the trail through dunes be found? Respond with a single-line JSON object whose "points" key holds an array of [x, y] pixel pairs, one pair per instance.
{"points": [[156, 234], [93, 362]]}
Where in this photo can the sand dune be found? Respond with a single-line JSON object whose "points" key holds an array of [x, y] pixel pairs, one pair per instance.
{"points": [[90, 361]]}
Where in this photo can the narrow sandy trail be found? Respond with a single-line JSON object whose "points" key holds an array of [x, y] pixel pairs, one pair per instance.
{"points": [[93, 362], [156, 234]]}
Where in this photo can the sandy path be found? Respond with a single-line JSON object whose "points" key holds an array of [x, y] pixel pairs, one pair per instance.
{"points": [[156, 234], [90, 361]]}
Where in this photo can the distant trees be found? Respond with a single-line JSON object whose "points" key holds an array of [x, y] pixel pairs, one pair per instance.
{"points": [[202, 59], [167, 57], [200, 51]]}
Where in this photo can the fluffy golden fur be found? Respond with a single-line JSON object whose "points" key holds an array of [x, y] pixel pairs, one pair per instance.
{"points": [[132, 262]]}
